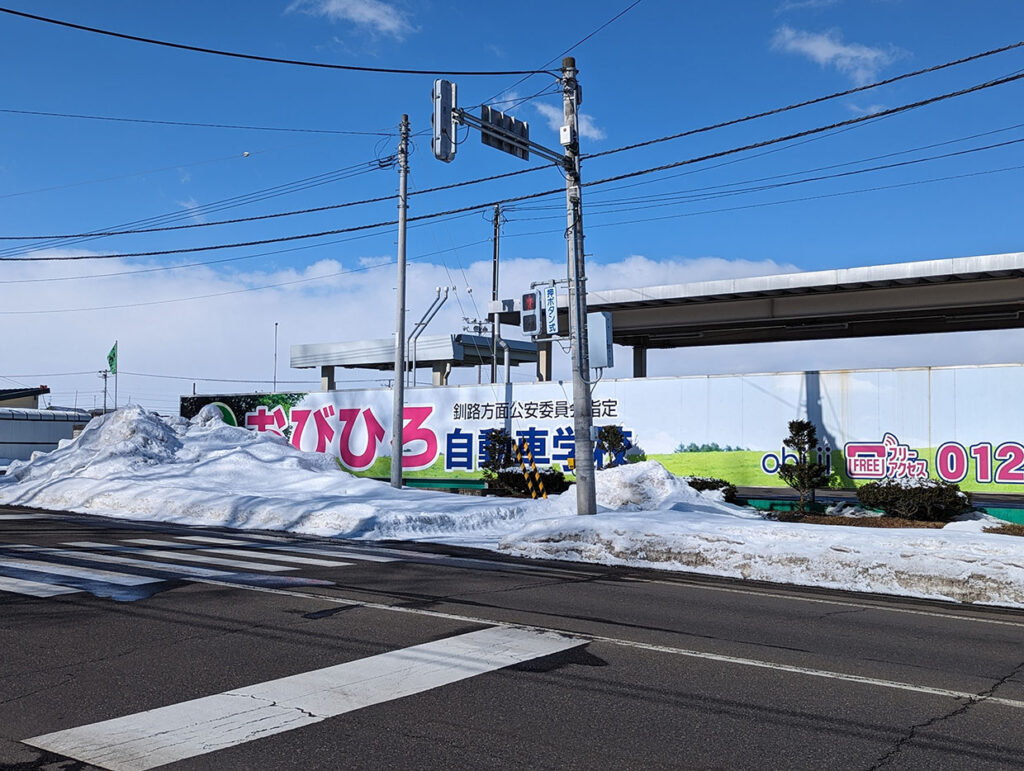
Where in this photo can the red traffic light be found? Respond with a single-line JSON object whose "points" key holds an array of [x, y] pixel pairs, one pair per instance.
{"points": [[530, 301]]}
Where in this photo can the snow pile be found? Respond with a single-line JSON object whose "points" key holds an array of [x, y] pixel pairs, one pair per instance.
{"points": [[136, 465]]}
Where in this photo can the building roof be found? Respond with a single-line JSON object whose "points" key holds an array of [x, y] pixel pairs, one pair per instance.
{"points": [[459, 350], [8, 394], [951, 295]]}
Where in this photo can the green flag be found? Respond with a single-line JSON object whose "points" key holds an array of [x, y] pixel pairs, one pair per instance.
{"points": [[112, 359]]}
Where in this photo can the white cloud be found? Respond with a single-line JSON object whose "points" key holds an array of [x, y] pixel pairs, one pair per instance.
{"points": [[192, 205], [860, 62], [381, 17], [800, 5], [555, 116], [871, 109], [232, 335]]}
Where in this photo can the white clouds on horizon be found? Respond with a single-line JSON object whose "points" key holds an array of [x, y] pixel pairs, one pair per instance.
{"points": [[230, 335], [377, 15], [555, 116], [861, 63]]}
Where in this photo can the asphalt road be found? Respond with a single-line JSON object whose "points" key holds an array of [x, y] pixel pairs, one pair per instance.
{"points": [[215, 655]]}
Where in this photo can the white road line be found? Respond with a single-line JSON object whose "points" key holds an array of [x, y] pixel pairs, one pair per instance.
{"points": [[259, 551], [811, 672], [212, 539], [165, 567], [91, 574], [297, 548], [196, 727], [177, 555], [267, 555], [821, 601], [33, 588], [7, 517], [646, 646]]}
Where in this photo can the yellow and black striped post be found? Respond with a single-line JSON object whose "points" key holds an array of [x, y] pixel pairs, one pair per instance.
{"points": [[532, 476]]}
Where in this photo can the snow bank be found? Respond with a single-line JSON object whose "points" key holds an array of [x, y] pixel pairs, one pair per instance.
{"points": [[135, 465]]}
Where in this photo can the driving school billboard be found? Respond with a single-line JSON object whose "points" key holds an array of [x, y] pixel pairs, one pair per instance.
{"points": [[962, 424]]}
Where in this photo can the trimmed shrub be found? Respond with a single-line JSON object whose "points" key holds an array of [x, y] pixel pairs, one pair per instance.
{"points": [[510, 481], [498, 451], [504, 475], [636, 454], [613, 443], [924, 500], [805, 475], [711, 483]]}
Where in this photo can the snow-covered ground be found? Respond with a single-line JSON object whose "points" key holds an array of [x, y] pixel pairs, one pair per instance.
{"points": [[135, 465]]}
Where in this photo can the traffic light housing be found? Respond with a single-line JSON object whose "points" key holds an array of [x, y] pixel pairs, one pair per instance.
{"points": [[443, 120], [530, 314]]}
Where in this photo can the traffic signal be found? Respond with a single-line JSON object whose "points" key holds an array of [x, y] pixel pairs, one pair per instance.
{"points": [[530, 314], [443, 120]]}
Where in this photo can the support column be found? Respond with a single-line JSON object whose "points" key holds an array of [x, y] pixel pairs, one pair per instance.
{"points": [[441, 372], [544, 361], [639, 361], [327, 378]]}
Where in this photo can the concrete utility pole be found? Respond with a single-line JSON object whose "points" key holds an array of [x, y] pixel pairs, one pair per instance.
{"points": [[494, 295], [398, 423], [583, 419]]}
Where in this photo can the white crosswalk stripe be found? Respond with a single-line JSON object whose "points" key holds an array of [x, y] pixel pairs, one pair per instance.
{"points": [[261, 552], [39, 564], [298, 548], [200, 726], [33, 588], [177, 555]]}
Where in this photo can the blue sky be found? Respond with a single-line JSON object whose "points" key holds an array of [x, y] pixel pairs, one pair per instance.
{"points": [[659, 69]]}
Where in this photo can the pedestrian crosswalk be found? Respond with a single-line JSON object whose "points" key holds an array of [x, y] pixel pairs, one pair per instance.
{"points": [[179, 731], [129, 569]]}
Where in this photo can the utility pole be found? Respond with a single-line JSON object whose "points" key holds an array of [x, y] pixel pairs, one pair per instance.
{"points": [[494, 295], [275, 357], [583, 419], [105, 374], [398, 424]]}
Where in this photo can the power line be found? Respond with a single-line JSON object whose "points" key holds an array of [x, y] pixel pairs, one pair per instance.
{"points": [[257, 58], [808, 102], [208, 296], [196, 125], [214, 206], [811, 132], [329, 207], [606, 180], [554, 59], [821, 196], [719, 191], [185, 266]]}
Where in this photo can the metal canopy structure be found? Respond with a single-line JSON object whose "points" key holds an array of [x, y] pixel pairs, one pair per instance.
{"points": [[439, 352], [952, 295]]}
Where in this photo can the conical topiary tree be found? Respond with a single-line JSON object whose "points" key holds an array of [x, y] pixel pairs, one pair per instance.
{"points": [[806, 474]]}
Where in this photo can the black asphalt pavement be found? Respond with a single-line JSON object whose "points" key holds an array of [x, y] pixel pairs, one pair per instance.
{"points": [[656, 670]]}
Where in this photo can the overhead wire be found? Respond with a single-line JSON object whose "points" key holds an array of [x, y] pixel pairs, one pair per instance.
{"points": [[821, 196], [724, 187], [193, 124], [310, 210], [627, 175], [258, 58], [809, 102]]}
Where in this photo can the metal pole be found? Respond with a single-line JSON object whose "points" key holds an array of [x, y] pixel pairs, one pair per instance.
{"points": [[275, 357], [583, 420], [398, 422], [104, 374], [494, 295], [117, 369]]}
